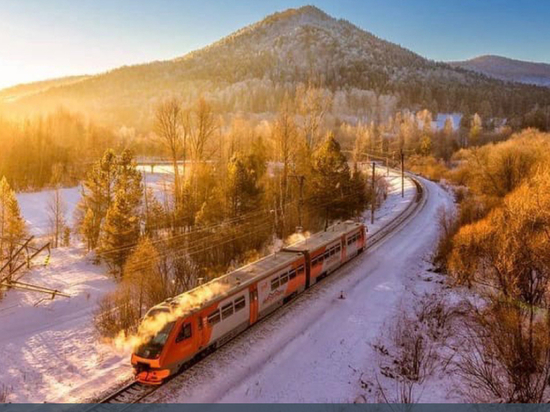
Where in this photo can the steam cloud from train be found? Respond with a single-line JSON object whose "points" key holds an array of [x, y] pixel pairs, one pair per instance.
{"points": [[152, 325], [126, 343]]}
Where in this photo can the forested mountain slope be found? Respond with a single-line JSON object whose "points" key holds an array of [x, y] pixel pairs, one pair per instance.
{"points": [[251, 70]]}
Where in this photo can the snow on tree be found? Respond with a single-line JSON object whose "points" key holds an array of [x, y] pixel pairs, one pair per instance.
{"points": [[12, 224]]}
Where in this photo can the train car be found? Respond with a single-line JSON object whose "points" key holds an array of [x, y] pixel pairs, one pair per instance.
{"points": [[219, 310], [328, 250]]}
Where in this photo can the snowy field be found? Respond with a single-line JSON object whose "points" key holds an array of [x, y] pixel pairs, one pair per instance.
{"points": [[49, 351], [35, 205]]}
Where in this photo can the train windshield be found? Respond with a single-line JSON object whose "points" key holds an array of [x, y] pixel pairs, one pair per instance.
{"points": [[153, 348]]}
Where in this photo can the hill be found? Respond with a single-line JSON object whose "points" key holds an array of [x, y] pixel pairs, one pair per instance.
{"points": [[507, 69], [251, 70], [19, 91]]}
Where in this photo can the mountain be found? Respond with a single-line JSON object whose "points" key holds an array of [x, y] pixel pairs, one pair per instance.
{"points": [[252, 69], [21, 90], [507, 69]]}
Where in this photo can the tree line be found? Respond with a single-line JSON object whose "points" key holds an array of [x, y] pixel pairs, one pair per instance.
{"points": [[235, 195], [498, 244]]}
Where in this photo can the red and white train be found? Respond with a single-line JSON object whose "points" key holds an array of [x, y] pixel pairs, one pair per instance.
{"points": [[246, 295]]}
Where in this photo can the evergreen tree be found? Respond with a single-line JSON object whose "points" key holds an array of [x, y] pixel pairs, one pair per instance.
{"points": [[143, 277], [12, 224], [155, 216], [243, 190], [97, 196], [331, 180], [120, 230]]}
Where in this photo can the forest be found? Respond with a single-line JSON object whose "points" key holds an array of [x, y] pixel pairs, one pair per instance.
{"points": [[242, 186]]}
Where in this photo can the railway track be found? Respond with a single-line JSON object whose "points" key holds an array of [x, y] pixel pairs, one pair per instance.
{"points": [[136, 392]]}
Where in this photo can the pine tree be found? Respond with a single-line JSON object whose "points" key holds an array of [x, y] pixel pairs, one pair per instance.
{"points": [[120, 231], [243, 191], [154, 215], [12, 224], [331, 180], [97, 196], [143, 277]]}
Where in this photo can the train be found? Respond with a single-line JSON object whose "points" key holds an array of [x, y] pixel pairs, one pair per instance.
{"points": [[239, 299]]}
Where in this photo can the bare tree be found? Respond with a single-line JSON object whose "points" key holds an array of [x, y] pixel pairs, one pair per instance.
{"points": [[284, 138], [313, 104], [169, 129], [199, 125], [56, 215]]}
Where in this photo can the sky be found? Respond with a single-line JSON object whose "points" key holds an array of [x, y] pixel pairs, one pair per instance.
{"points": [[41, 39]]}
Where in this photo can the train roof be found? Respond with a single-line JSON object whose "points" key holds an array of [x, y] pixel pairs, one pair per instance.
{"points": [[320, 239], [230, 283]]}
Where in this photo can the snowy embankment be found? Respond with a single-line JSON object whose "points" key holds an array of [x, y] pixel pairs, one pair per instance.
{"points": [[320, 347]]}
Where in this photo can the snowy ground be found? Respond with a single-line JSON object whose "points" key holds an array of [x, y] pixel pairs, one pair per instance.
{"points": [[49, 352], [48, 349], [35, 205], [319, 348]]}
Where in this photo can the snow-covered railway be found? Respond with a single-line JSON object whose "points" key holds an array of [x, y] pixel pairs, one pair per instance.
{"points": [[127, 393]]}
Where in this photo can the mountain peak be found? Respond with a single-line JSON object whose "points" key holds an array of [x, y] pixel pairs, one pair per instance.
{"points": [[311, 11]]}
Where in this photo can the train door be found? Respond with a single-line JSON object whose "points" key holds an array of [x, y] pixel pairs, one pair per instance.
{"points": [[308, 268], [343, 247], [253, 304], [203, 334]]}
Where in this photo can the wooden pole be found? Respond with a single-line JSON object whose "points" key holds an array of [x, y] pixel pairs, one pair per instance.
{"points": [[373, 194], [402, 174]]}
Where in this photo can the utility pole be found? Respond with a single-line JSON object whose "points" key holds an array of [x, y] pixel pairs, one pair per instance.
{"points": [[402, 173], [300, 179], [373, 194]]}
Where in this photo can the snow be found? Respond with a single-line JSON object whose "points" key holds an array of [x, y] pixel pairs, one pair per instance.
{"points": [[318, 348], [314, 350], [35, 205], [48, 348], [34, 208]]}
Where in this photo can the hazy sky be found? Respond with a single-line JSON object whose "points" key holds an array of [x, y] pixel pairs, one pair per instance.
{"points": [[42, 39]]}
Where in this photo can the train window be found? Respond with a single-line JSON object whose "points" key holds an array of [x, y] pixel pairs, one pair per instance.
{"points": [[284, 278], [227, 310], [291, 274], [184, 333], [274, 283], [214, 318], [239, 303]]}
